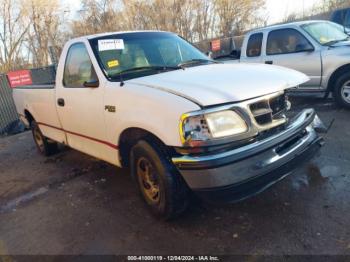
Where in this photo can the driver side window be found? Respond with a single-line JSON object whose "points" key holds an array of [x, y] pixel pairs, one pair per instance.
{"points": [[78, 67], [286, 41]]}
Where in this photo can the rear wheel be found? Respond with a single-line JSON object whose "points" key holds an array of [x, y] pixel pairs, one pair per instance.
{"points": [[342, 91], [160, 184], [43, 144]]}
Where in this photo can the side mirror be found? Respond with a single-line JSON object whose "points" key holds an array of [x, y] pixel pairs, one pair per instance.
{"points": [[305, 48], [311, 49], [210, 54], [92, 83], [235, 54]]}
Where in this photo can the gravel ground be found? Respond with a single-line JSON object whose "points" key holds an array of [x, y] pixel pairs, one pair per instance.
{"points": [[74, 204]]}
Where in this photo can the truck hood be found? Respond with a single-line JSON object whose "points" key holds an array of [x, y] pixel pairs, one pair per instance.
{"points": [[222, 83], [341, 44]]}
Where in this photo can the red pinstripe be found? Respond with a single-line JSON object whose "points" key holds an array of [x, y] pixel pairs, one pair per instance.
{"points": [[81, 135]]}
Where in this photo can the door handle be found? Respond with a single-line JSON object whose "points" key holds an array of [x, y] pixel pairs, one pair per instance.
{"points": [[269, 62], [60, 102]]}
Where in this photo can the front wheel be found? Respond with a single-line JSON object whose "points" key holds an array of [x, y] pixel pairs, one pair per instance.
{"points": [[160, 184], [43, 144], [342, 91]]}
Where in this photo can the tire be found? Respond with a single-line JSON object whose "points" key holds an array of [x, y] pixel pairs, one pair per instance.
{"points": [[342, 91], [160, 184], [43, 144]]}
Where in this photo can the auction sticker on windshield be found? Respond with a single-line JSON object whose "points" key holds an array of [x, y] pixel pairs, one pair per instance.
{"points": [[110, 44], [113, 63]]}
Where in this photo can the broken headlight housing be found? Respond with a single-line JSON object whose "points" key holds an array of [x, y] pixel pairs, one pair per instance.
{"points": [[198, 128]]}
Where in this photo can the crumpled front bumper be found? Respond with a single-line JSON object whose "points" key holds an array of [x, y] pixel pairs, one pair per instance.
{"points": [[239, 173]]}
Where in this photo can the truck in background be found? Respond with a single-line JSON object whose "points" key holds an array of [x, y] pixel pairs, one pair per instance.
{"points": [[319, 49]]}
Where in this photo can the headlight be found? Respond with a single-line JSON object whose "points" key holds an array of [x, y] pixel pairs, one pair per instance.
{"points": [[212, 125], [225, 123]]}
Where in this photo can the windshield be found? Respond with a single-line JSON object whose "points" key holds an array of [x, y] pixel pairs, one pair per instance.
{"points": [[326, 32], [130, 55]]}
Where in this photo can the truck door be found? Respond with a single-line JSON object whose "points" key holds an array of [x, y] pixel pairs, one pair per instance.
{"points": [[79, 101], [290, 48], [254, 48]]}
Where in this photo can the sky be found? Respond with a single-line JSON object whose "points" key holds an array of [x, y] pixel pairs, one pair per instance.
{"points": [[276, 9]]}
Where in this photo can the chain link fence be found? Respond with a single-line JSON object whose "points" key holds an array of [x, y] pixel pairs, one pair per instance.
{"points": [[9, 121]]}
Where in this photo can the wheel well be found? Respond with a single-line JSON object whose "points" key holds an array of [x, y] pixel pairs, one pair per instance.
{"points": [[28, 116], [129, 137], [336, 74]]}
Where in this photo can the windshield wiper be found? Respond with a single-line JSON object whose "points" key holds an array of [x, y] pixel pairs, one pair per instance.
{"points": [[195, 62], [336, 41], [135, 69], [163, 68], [229, 56]]}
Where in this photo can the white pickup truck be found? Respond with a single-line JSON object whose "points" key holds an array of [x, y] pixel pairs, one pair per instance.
{"points": [[319, 49], [181, 122]]}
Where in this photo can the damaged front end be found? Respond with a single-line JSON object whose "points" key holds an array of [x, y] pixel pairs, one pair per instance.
{"points": [[275, 145]]}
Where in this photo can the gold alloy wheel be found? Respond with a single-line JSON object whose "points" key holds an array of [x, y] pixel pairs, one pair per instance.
{"points": [[148, 179], [39, 139]]}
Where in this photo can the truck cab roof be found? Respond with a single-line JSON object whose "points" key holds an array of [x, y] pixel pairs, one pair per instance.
{"points": [[88, 37], [286, 25]]}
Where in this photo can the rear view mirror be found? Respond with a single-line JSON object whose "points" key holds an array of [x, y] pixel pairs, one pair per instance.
{"points": [[92, 83]]}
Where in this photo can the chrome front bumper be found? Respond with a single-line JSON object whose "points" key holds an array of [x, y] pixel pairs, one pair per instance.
{"points": [[253, 161]]}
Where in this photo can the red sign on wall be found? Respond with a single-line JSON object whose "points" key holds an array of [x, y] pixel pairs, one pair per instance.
{"points": [[20, 78], [215, 45]]}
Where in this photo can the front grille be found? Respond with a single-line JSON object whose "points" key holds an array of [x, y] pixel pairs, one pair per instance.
{"points": [[266, 111]]}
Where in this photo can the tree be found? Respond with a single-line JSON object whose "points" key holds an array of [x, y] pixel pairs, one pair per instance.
{"points": [[96, 17], [12, 34], [233, 17], [204, 20], [44, 17], [319, 11], [195, 20], [29, 27], [330, 5]]}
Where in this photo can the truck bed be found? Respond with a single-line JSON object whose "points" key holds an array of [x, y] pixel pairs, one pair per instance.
{"points": [[40, 101]]}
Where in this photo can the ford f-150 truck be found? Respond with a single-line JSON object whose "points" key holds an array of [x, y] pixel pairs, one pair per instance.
{"points": [[182, 122], [319, 49]]}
